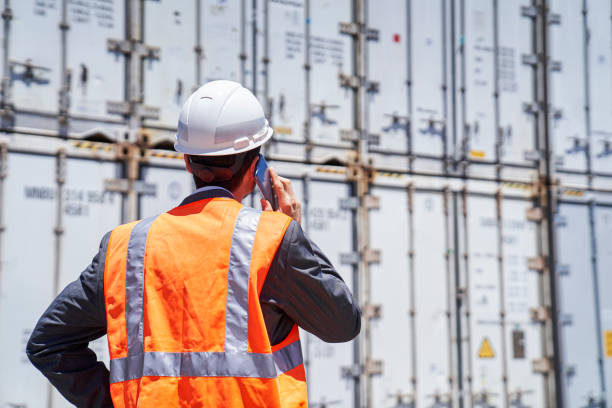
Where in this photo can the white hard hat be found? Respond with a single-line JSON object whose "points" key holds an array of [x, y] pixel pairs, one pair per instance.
{"points": [[221, 118]]}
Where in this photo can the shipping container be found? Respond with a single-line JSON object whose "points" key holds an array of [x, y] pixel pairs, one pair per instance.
{"points": [[433, 144]]}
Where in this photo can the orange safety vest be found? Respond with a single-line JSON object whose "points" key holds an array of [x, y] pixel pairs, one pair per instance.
{"points": [[184, 323]]}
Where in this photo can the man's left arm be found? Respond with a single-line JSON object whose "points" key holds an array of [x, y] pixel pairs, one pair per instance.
{"points": [[58, 346]]}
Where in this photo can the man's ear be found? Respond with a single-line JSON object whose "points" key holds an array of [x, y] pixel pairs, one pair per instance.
{"points": [[253, 164], [187, 164]]}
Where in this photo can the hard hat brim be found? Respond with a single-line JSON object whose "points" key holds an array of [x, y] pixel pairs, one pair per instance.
{"points": [[225, 151]]}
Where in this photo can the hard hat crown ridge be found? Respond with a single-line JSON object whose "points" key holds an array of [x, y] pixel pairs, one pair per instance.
{"points": [[220, 118]]}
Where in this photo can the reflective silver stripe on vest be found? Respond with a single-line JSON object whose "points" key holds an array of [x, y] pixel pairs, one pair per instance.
{"points": [[134, 289], [237, 308], [206, 364], [235, 361]]}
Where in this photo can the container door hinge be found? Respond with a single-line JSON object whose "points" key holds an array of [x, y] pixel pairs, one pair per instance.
{"points": [[352, 29], [535, 214], [370, 202], [373, 139], [368, 255], [132, 47], [372, 311], [539, 314], [529, 11], [123, 186], [554, 18], [349, 135], [537, 263], [125, 108], [532, 155], [542, 365]]}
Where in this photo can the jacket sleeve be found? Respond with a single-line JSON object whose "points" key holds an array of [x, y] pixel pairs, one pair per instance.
{"points": [[303, 287], [58, 346]]}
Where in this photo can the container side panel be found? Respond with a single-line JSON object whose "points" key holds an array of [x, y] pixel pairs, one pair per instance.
{"points": [[171, 79], [286, 69], [484, 297], [27, 273], [480, 80], [523, 336], [577, 316], [431, 298], [330, 228], [220, 39], [97, 74], [600, 84], [516, 86], [390, 287], [567, 91], [603, 228], [331, 54], [389, 17], [172, 186], [427, 113], [35, 70]]}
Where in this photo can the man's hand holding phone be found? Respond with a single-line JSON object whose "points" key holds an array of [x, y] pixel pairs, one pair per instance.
{"points": [[287, 202]]}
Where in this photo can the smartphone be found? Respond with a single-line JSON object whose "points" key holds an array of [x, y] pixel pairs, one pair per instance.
{"points": [[262, 178]]}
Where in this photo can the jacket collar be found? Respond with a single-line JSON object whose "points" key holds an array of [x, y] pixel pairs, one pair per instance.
{"points": [[206, 192]]}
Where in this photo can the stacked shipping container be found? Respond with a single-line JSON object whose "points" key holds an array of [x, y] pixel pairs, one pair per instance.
{"points": [[453, 158]]}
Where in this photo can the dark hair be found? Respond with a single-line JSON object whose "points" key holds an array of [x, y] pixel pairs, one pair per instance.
{"points": [[222, 164]]}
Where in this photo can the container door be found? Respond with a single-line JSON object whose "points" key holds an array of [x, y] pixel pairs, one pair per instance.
{"points": [[486, 348], [331, 55], [27, 280], [603, 228], [286, 74], [577, 318], [516, 132], [392, 288], [523, 337], [387, 65], [330, 228], [97, 74], [89, 212], [168, 81], [429, 63], [479, 130], [35, 69], [599, 82], [221, 31], [567, 91]]}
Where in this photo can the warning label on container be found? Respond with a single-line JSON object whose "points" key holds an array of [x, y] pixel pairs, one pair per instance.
{"points": [[486, 350], [102, 12], [608, 342]]}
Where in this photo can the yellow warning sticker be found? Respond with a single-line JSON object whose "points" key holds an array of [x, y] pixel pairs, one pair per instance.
{"points": [[477, 154], [608, 342], [486, 351], [283, 130]]}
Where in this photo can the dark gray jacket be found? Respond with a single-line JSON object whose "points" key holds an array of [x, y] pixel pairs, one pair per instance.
{"points": [[301, 286]]}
